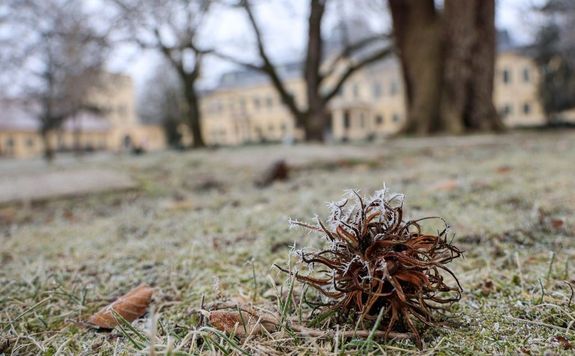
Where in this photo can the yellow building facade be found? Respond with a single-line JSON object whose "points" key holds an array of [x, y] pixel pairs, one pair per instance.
{"points": [[117, 128], [371, 104]]}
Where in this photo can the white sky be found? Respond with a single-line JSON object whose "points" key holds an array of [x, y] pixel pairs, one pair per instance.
{"points": [[283, 22]]}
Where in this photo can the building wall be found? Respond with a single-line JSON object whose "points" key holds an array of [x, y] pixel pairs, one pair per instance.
{"points": [[516, 85], [116, 97], [27, 144], [22, 144], [248, 114], [371, 104]]}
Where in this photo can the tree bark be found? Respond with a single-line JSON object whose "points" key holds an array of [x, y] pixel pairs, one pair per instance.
{"points": [[448, 64], [194, 113], [460, 36], [48, 150], [416, 27], [483, 115], [315, 122]]}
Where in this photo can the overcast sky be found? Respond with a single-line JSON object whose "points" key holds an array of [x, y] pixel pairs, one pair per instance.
{"points": [[284, 26]]}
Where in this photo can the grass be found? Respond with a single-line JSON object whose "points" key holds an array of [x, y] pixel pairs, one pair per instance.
{"points": [[62, 260]]}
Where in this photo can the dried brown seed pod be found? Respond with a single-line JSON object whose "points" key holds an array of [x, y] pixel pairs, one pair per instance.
{"points": [[379, 263]]}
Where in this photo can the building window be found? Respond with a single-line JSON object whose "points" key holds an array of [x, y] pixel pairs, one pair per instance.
{"points": [[526, 74], [526, 108], [379, 119], [506, 110], [377, 92], [30, 142], [346, 120], [269, 101], [506, 76], [256, 103], [9, 142], [393, 88], [271, 128], [395, 118]]}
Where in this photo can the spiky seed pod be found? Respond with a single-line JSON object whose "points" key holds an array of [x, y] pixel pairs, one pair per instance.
{"points": [[376, 261]]}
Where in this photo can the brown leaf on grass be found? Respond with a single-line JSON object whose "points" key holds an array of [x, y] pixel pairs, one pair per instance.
{"points": [[504, 169], [130, 306], [244, 324], [446, 185], [486, 288], [557, 223], [565, 344], [277, 170]]}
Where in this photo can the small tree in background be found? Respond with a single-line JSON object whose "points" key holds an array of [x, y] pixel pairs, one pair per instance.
{"points": [[54, 59], [554, 51], [162, 103], [173, 29]]}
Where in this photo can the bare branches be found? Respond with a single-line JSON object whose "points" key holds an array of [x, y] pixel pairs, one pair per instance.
{"points": [[311, 116], [354, 67], [269, 68], [349, 50], [174, 29]]}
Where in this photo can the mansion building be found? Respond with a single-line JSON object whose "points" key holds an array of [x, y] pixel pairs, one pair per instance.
{"points": [[245, 108], [116, 128]]}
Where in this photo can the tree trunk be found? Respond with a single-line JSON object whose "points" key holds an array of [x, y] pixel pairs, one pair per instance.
{"points": [[48, 150], [316, 117], [193, 114], [483, 115], [416, 27], [460, 37], [448, 64]]}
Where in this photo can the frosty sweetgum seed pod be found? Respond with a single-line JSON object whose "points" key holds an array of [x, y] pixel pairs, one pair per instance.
{"points": [[378, 265]]}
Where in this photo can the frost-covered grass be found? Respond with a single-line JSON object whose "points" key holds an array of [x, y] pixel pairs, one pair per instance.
{"points": [[198, 228]]}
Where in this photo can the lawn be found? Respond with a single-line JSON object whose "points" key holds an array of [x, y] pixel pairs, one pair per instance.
{"points": [[200, 232]]}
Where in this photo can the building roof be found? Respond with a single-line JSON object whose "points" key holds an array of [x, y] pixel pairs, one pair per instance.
{"points": [[333, 44], [18, 115]]}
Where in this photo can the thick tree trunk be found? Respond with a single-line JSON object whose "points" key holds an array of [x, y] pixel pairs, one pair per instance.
{"points": [[460, 37], [315, 124], [416, 27], [48, 150], [448, 64], [193, 114], [483, 115]]}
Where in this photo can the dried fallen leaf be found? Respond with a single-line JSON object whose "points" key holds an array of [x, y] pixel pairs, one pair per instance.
{"points": [[503, 169], [557, 223], [446, 185], [486, 288], [562, 340], [130, 306], [244, 324]]}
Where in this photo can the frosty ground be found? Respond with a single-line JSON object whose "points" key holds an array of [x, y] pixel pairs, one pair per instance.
{"points": [[195, 227]]}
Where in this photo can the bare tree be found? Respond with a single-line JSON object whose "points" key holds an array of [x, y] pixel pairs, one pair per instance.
{"points": [[554, 52], [58, 55], [162, 103], [323, 81], [173, 29], [448, 64]]}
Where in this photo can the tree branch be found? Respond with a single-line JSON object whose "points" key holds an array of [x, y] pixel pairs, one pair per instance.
{"points": [[270, 70], [354, 68], [350, 49]]}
